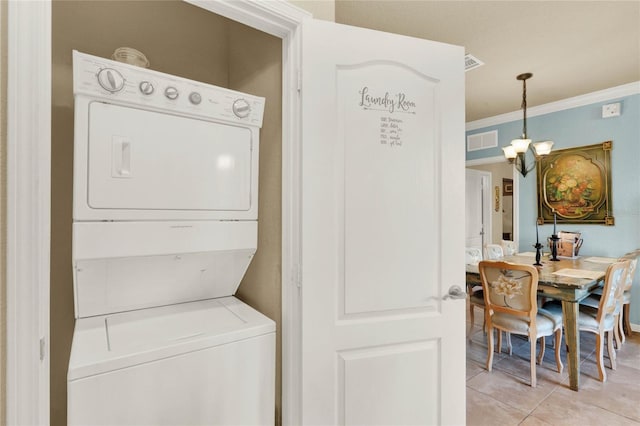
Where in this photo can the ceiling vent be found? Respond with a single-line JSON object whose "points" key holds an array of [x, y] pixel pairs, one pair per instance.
{"points": [[471, 62]]}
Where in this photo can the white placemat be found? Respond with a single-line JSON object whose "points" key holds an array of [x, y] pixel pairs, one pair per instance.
{"points": [[601, 259], [578, 273], [526, 253]]}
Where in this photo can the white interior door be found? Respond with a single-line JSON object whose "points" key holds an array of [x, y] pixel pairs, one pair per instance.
{"points": [[382, 241], [477, 208]]}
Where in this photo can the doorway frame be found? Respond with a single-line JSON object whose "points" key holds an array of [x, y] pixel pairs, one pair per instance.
{"points": [[485, 208], [29, 193], [28, 211], [516, 191]]}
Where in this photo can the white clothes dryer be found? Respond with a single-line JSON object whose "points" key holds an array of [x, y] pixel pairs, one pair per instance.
{"points": [[165, 226]]}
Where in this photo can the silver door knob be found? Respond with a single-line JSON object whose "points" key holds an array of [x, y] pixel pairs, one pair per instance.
{"points": [[455, 292]]}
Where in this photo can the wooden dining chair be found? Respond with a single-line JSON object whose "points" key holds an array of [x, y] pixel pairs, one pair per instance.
{"points": [[493, 252], [602, 320], [621, 312], [473, 256], [625, 322], [511, 305], [509, 248]]}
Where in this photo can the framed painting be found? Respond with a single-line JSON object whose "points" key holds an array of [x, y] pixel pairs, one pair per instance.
{"points": [[575, 185], [507, 187]]}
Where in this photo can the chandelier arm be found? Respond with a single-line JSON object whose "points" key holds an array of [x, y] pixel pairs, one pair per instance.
{"points": [[533, 166], [521, 162]]}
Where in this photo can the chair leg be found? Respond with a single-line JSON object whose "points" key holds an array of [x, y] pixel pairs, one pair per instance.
{"points": [[558, 344], [616, 331], [542, 348], [509, 345], [600, 357], [621, 326], [611, 351], [471, 317], [532, 345], [490, 347], [627, 322], [499, 350]]}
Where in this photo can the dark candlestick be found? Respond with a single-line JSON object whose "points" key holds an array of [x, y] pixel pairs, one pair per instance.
{"points": [[554, 247], [538, 247]]}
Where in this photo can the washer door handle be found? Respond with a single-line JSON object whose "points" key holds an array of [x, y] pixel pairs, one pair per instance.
{"points": [[121, 157]]}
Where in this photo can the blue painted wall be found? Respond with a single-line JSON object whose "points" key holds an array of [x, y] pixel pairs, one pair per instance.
{"points": [[578, 127]]}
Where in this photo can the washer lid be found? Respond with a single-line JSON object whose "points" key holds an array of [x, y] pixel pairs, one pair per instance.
{"points": [[109, 342], [130, 331]]}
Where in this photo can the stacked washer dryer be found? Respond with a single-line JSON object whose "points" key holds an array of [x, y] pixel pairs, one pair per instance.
{"points": [[165, 226]]}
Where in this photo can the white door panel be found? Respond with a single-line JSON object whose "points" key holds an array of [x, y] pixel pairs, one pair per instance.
{"points": [[382, 209], [389, 162], [374, 384]]}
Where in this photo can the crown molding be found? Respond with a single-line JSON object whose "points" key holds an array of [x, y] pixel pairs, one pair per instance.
{"points": [[577, 101], [486, 160]]}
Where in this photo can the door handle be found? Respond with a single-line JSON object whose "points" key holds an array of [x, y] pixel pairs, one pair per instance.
{"points": [[455, 292], [120, 157]]}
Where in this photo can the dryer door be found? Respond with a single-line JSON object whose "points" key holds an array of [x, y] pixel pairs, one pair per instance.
{"points": [[138, 160]]}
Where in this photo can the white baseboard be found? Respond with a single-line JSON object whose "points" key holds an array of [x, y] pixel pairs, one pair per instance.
{"points": [[635, 327]]}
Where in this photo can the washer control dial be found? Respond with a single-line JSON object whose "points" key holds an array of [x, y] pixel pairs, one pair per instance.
{"points": [[171, 92], [110, 80], [241, 108], [146, 87], [195, 98]]}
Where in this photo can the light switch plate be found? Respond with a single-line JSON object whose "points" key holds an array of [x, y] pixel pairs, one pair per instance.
{"points": [[611, 110]]}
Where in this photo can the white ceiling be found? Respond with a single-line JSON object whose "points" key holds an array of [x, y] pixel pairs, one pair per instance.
{"points": [[571, 47]]}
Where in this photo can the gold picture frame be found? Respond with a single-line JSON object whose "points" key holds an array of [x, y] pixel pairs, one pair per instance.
{"points": [[574, 184]]}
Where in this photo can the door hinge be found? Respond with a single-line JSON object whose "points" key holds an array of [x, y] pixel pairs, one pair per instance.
{"points": [[42, 349]]}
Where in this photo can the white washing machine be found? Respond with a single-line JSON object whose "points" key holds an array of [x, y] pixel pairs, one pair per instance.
{"points": [[165, 226]]}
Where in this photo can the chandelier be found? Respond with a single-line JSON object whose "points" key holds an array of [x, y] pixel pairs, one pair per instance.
{"points": [[516, 152]]}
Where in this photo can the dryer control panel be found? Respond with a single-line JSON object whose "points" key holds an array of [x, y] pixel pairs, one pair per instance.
{"points": [[103, 78]]}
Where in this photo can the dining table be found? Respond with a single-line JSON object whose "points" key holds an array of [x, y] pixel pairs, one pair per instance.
{"points": [[568, 280]]}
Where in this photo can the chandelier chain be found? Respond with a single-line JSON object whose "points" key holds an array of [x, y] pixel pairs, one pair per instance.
{"points": [[524, 107]]}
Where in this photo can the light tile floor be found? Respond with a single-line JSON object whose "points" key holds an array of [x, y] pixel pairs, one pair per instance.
{"points": [[504, 397]]}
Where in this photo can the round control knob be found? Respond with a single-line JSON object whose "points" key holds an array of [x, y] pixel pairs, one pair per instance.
{"points": [[241, 108], [195, 98], [171, 92], [146, 87], [110, 80]]}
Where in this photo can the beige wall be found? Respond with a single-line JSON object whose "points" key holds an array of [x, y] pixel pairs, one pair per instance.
{"points": [[3, 203], [255, 66], [498, 172], [179, 39]]}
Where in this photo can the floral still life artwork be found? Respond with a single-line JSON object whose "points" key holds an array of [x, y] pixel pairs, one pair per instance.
{"points": [[575, 185]]}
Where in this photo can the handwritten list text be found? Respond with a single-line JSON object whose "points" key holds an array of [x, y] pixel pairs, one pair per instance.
{"points": [[391, 131]]}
